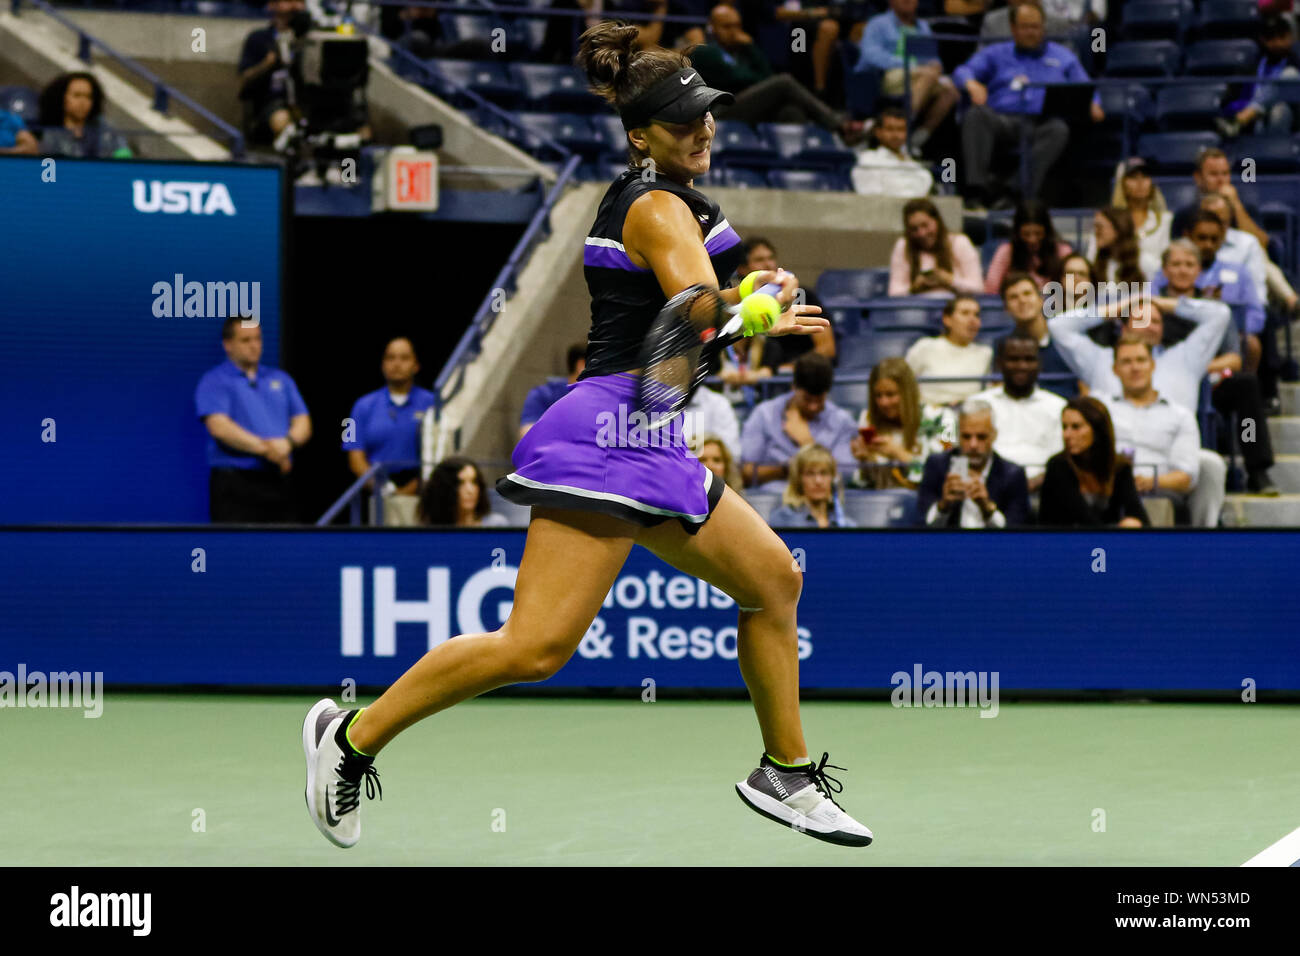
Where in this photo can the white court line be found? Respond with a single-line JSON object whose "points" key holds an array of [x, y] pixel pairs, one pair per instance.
{"points": [[1285, 852]]}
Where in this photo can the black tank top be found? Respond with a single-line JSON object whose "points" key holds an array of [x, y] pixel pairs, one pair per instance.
{"points": [[625, 298]]}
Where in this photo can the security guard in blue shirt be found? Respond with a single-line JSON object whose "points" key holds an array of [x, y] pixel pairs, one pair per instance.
{"points": [[385, 424]]}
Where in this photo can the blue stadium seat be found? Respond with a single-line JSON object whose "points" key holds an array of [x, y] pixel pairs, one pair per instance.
{"points": [[850, 396], [612, 136], [571, 130], [1155, 19], [1179, 191], [852, 285], [891, 508], [1222, 58], [527, 32], [1272, 154], [764, 502], [1228, 19], [1143, 58], [810, 180], [1189, 107], [1131, 102], [806, 145], [740, 178], [555, 88], [20, 100], [737, 142], [489, 79], [929, 321], [1171, 153]]}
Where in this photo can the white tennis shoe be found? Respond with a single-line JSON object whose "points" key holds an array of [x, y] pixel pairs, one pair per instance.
{"points": [[800, 798], [334, 774]]}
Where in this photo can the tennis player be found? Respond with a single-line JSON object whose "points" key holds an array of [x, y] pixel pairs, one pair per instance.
{"points": [[593, 499]]}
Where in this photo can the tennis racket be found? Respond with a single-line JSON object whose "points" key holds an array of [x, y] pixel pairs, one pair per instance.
{"points": [[692, 327]]}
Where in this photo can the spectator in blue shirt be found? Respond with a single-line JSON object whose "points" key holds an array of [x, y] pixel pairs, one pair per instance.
{"points": [[1262, 106], [777, 428], [256, 419], [385, 424], [996, 78], [933, 95], [811, 497], [15, 139], [552, 390]]}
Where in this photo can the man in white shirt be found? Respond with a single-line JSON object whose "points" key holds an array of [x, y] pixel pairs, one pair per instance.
{"points": [[1239, 248], [1028, 417], [888, 170], [1160, 436], [953, 354]]}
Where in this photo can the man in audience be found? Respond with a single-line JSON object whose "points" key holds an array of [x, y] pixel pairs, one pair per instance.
{"points": [[992, 493], [933, 95], [1222, 281], [1001, 105], [780, 354], [888, 170], [1265, 106], [777, 428], [1028, 417], [386, 422], [264, 74], [731, 61], [256, 418], [1241, 248], [955, 353], [1024, 303], [549, 392], [1213, 174], [1159, 435], [15, 138]]}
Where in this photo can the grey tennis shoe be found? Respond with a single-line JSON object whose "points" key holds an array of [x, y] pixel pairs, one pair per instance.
{"points": [[800, 798]]}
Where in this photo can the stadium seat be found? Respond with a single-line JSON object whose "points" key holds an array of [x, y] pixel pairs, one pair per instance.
{"points": [[891, 508], [737, 142], [852, 285], [1155, 19], [20, 100], [555, 88], [571, 130], [929, 321], [1272, 154], [1142, 58], [740, 178], [488, 79], [806, 145], [810, 180], [527, 32], [883, 344], [1222, 58], [518, 515], [1171, 153], [1128, 103], [764, 502], [1189, 107], [850, 396], [1228, 19]]}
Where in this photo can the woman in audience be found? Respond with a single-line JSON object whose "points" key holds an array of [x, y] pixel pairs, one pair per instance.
{"points": [[70, 114], [1076, 267], [896, 432], [456, 495], [1146, 206], [1113, 247], [811, 498], [1034, 248], [713, 455], [928, 260], [1087, 484]]}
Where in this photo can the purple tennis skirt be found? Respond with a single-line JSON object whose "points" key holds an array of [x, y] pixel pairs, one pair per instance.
{"points": [[591, 451]]}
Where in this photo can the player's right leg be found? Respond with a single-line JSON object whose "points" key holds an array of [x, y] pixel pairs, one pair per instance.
{"points": [[570, 561]]}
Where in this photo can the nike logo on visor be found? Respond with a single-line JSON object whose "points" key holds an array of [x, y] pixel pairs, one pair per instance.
{"points": [[687, 79]]}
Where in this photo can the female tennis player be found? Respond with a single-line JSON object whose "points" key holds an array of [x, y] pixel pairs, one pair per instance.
{"points": [[654, 236]]}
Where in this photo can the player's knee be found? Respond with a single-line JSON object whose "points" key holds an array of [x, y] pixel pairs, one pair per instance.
{"points": [[783, 585]]}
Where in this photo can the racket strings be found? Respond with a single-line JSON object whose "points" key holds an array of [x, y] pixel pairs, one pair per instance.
{"points": [[671, 366]]}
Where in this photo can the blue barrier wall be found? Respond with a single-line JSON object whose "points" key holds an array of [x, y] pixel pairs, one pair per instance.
{"points": [[85, 251], [1172, 610]]}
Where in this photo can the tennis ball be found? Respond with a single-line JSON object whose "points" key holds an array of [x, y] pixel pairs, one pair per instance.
{"points": [[747, 284], [758, 312]]}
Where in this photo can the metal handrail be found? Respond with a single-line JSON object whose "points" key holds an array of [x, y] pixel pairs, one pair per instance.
{"points": [[162, 93]]}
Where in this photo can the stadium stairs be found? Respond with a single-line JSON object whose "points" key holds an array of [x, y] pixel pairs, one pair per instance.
{"points": [[1240, 510]]}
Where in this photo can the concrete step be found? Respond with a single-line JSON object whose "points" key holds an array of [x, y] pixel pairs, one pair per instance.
{"points": [[1286, 472], [1285, 432], [1252, 511], [1289, 392]]}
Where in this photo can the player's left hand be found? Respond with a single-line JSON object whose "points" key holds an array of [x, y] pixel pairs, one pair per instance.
{"points": [[800, 319]]}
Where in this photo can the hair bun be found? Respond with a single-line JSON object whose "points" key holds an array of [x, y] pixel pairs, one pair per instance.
{"points": [[604, 52]]}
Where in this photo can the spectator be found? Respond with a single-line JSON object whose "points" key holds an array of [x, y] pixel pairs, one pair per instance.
{"points": [[708, 412], [1035, 248], [1024, 303], [777, 428], [1243, 250], [888, 170], [543, 396], [1076, 274], [1233, 392], [731, 61], [714, 455], [811, 496], [1028, 417], [1156, 434], [1264, 105], [386, 422], [906, 432], [1135, 191], [954, 353], [456, 495], [1086, 484], [821, 28], [264, 80], [255, 418], [71, 108], [1113, 247], [1227, 283], [779, 354], [933, 95], [1085, 12], [995, 78], [972, 10], [928, 260], [419, 30], [991, 494], [1213, 174], [15, 138]]}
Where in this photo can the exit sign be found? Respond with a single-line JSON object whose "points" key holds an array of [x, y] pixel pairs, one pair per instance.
{"points": [[410, 180]]}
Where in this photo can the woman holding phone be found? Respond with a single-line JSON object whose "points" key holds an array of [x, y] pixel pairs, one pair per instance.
{"points": [[1087, 484], [896, 431]]}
